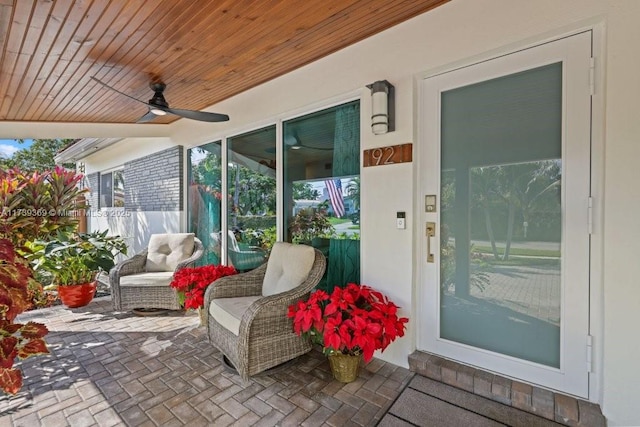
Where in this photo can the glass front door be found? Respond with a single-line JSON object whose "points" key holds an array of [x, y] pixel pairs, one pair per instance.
{"points": [[502, 170], [510, 272]]}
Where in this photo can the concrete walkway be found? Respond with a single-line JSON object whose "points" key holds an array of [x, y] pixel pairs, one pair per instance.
{"points": [[112, 369]]}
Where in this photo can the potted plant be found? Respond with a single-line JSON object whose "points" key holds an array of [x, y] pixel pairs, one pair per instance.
{"points": [[74, 261], [309, 223], [191, 283], [351, 323]]}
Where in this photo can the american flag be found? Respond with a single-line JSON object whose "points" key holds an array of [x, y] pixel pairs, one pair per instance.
{"points": [[334, 187]]}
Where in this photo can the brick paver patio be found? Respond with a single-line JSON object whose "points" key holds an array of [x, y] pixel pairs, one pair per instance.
{"points": [[534, 291], [108, 368]]}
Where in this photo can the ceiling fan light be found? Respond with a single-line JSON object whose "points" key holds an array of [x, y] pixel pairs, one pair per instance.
{"points": [[157, 111], [296, 147]]}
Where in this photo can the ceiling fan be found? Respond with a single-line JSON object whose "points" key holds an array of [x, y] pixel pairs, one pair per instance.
{"points": [[293, 143], [158, 106]]}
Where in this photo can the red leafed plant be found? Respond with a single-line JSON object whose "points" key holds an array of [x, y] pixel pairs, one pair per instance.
{"points": [[16, 340], [352, 320], [191, 283], [32, 206]]}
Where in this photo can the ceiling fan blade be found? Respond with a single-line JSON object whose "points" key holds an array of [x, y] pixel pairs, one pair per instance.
{"points": [[159, 103], [147, 117], [117, 91], [203, 116], [316, 148]]}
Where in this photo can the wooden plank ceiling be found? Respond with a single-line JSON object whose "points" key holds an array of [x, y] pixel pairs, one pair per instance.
{"points": [[205, 51]]}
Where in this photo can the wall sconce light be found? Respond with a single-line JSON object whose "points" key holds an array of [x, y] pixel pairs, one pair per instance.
{"points": [[383, 110]]}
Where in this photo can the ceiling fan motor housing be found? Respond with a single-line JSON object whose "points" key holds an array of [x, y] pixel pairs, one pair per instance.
{"points": [[158, 97]]}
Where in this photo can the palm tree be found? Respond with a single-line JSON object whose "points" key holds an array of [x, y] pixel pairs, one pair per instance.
{"points": [[521, 187], [353, 191]]}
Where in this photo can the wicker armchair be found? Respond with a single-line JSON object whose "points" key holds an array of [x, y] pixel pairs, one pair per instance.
{"points": [[143, 280], [242, 259], [246, 314], [245, 259]]}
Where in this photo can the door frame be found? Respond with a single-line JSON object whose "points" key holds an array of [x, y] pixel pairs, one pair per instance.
{"points": [[596, 289]]}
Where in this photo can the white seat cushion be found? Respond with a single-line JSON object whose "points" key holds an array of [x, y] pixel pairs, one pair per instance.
{"points": [[228, 311], [289, 265], [158, 278], [166, 251]]}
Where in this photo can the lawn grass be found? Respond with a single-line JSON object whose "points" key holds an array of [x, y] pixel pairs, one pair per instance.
{"points": [[521, 261], [336, 221], [520, 251]]}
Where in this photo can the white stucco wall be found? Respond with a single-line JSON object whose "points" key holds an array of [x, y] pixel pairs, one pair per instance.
{"points": [[456, 33], [117, 155], [621, 226], [135, 227]]}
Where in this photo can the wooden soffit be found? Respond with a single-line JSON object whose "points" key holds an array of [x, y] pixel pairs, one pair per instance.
{"points": [[205, 51]]}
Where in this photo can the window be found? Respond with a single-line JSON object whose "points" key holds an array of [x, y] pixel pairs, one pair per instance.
{"points": [[204, 198], [322, 188], [251, 216], [112, 189], [320, 192]]}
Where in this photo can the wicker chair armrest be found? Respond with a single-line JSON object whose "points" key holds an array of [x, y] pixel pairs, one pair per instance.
{"points": [[198, 251], [269, 314], [133, 265], [238, 285]]}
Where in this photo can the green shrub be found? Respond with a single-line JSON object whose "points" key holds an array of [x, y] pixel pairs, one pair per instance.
{"points": [[256, 222]]}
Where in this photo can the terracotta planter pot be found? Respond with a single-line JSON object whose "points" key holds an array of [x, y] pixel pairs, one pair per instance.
{"points": [[77, 295]]}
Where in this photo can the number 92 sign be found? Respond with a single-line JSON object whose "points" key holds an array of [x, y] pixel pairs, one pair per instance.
{"points": [[389, 155]]}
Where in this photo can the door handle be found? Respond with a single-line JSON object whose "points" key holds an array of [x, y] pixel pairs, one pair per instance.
{"points": [[431, 232]]}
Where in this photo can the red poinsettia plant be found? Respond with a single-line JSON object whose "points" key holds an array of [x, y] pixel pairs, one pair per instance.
{"points": [[192, 282], [352, 320]]}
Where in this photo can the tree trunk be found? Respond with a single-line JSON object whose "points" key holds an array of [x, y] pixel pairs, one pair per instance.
{"points": [[236, 196], [81, 214], [510, 220], [487, 220]]}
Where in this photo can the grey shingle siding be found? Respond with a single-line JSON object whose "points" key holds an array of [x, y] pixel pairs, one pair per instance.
{"points": [[154, 182]]}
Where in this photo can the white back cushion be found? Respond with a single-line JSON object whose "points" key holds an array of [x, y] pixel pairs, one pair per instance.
{"points": [[289, 265], [166, 251]]}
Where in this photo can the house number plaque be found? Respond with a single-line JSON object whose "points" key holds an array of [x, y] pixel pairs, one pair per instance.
{"points": [[389, 155]]}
